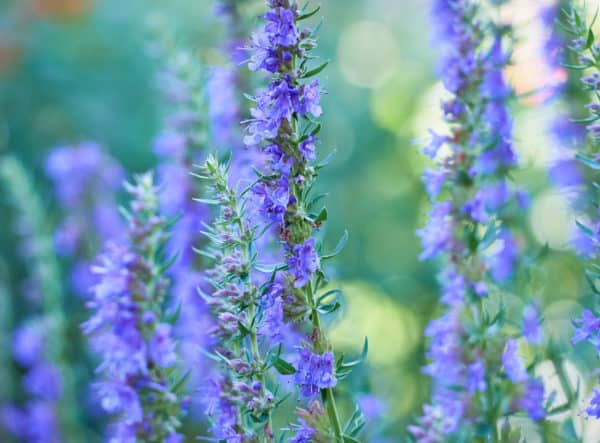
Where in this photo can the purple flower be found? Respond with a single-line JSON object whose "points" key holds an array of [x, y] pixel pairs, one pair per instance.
{"points": [[533, 400], [454, 287], [314, 372], [531, 325], [476, 377], [161, 346], [127, 304], [436, 236], [43, 381], [28, 344], [435, 144], [502, 263], [512, 363], [494, 195], [303, 262], [304, 433], [309, 102], [566, 173], [174, 438], [307, 148], [583, 244], [281, 26], [587, 327], [118, 397], [593, 409], [223, 106], [434, 181]]}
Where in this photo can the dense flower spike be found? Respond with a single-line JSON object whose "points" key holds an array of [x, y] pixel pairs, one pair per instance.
{"points": [[472, 206], [85, 181], [239, 404], [586, 53], [128, 326], [284, 126], [180, 144], [51, 411]]}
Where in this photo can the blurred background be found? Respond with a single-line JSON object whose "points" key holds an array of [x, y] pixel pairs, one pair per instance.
{"points": [[74, 70]]}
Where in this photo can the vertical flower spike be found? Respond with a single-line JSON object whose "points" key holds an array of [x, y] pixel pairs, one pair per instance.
{"points": [[585, 52], [239, 404], [38, 346], [284, 125], [566, 173], [85, 181], [129, 330], [180, 144], [473, 205]]}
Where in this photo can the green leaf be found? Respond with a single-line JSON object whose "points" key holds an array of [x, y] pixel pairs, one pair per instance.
{"points": [[207, 201], [326, 160], [360, 359], [179, 385], [167, 264], [355, 423], [315, 200], [308, 14], [322, 216], [327, 294], [315, 71], [282, 366], [590, 39], [339, 247], [588, 161], [243, 329], [173, 316], [590, 119], [576, 67], [585, 229], [329, 308], [348, 439]]}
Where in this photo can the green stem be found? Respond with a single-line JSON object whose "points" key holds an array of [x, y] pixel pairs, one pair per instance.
{"points": [[332, 412], [256, 355], [252, 312], [334, 417]]}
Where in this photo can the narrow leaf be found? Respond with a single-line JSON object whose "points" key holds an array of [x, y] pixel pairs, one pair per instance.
{"points": [[283, 367], [316, 70], [338, 249], [308, 14]]}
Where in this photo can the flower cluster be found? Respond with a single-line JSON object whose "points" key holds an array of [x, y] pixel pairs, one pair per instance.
{"points": [[85, 181], [129, 330], [314, 372], [472, 208], [238, 394], [585, 52], [284, 126]]}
